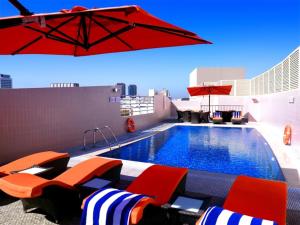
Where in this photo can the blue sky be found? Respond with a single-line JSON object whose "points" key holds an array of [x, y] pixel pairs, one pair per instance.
{"points": [[254, 34]]}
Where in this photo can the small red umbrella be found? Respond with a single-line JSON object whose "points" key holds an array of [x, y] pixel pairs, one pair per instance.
{"points": [[209, 90], [82, 31]]}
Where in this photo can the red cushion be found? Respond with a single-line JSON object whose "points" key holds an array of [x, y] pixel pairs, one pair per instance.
{"points": [[159, 182], [258, 198]]}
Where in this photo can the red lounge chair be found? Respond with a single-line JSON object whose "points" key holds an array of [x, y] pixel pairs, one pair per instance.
{"points": [[56, 160], [61, 192], [160, 183], [258, 198]]}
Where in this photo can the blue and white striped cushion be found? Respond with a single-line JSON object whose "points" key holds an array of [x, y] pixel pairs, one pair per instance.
{"points": [[219, 216], [109, 206]]}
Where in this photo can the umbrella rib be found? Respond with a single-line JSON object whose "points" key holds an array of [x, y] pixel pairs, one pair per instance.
{"points": [[84, 31], [28, 44], [120, 31], [63, 34], [109, 31], [77, 38], [47, 34], [54, 37]]}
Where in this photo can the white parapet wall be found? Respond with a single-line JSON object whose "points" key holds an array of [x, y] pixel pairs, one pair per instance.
{"points": [[37, 119]]}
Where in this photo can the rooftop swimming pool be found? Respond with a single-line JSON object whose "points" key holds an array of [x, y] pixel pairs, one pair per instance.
{"points": [[215, 149]]}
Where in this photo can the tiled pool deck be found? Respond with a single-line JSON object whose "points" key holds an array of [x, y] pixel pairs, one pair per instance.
{"points": [[210, 184]]}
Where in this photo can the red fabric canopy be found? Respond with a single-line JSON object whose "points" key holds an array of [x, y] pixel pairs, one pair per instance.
{"points": [[82, 32], [210, 90]]}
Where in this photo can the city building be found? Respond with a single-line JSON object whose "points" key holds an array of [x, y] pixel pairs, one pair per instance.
{"points": [[132, 90], [152, 92], [123, 89], [5, 81], [61, 85], [165, 92]]}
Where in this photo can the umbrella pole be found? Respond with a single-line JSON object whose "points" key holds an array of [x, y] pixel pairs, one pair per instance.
{"points": [[20, 7], [209, 104]]}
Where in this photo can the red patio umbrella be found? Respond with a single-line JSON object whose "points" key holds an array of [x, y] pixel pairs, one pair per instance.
{"points": [[209, 90], [82, 31]]}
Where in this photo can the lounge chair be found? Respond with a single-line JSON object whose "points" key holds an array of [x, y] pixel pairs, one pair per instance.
{"points": [[226, 115], [195, 117], [179, 116], [55, 160], [217, 118], [236, 118], [186, 116], [53, 196], [161, 183], [204, 117], [258, 198]]}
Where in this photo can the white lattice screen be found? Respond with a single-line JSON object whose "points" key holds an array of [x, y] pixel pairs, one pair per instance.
{"points": [[282, 77]]}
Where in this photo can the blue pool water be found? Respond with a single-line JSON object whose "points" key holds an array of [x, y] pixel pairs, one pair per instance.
{"points": [[215, 149]]}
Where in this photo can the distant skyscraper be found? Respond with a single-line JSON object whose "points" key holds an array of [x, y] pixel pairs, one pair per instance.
{"points": [[5, 81], [132, 90], [123, 88]]}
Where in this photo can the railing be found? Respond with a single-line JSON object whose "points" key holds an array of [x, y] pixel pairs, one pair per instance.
{"points": [[214, 108], [131, 106], [100, 131]]}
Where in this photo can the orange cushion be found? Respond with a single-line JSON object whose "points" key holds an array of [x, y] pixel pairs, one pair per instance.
{"points": [[158, 182], [86, 170], [31, 160], [258, 198], [23, 185], [138, 211]]}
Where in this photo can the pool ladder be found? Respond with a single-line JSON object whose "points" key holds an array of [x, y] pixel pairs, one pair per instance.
{"points": [[100, 131]]}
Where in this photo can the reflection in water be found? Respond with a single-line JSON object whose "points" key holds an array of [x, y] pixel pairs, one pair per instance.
{"points": [[216, 149], [207, 142]]}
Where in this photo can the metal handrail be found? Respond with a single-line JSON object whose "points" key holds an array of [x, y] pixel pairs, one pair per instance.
{"points": [[84, 138], [98, 130], [113, 134]]}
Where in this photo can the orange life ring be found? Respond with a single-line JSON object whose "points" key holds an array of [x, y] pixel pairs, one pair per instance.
{"points": [[287, 136], [130, 125]]}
